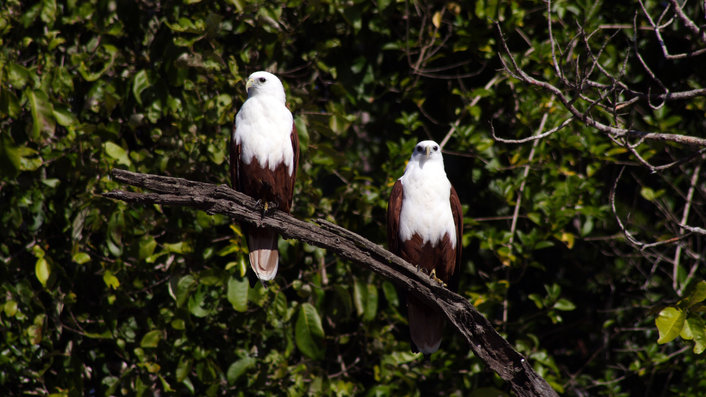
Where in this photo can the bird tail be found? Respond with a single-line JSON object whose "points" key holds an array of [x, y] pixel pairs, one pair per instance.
{"points": [[264, 257], [426, 326]]}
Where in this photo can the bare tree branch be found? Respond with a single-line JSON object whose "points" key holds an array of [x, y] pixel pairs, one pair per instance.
{"points": [[684, 218], [485, 342], [641, 245], [584, 116]]}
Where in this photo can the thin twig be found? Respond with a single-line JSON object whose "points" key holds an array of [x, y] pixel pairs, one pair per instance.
{"points": [[684, 219]]}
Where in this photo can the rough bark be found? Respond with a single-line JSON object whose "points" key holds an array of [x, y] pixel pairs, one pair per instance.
{"points": [[485, 342]]}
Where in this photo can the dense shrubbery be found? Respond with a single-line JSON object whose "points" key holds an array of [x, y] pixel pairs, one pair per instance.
{"points": [[101, 298]]}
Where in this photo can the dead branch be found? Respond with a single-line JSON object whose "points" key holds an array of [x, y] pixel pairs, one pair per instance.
{"points": [[512, 68], [485, 342]]}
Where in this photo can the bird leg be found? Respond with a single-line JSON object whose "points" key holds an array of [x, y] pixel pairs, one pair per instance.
{"points": [[270, 207], [266, 207], [437, 279], [261, 205]]}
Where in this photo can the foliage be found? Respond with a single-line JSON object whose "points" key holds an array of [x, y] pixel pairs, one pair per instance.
{"points": [[100, 298]]}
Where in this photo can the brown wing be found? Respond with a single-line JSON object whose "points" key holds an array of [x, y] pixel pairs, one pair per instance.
{"points": [[295, 149], [394, 207], [259, 181], [457, 212]]}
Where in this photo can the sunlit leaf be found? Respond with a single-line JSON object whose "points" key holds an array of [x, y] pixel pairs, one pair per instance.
{"points": [[669, 324], [151, 339], [42, 270], [117, 153], [564, 304], [436, 19], [647, 193], [110, 280], [81, 258]]}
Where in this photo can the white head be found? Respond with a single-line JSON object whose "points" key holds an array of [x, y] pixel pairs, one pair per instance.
{"points": [[265, 83], [426, 152]]}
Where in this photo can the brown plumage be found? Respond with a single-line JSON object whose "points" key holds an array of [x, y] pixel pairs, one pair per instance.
{"points": [[269, 187], [426, 324], [264, 155]]}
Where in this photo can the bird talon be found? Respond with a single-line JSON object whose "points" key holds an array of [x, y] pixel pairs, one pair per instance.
{"points": [[432, 274], [266, 207], [270, 207]]}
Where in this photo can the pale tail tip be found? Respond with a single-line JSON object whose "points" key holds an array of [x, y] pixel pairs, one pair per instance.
{"points": [[264, 263]]}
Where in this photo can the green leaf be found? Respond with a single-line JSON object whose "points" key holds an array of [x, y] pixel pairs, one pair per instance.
{"points": [[81, 258], [388, 289], [564, 304], [147, 246], [42, 114], [64, 117], [647, 193], [238, 368], [17, 76], [669, 324], [181, 247], [10, 308], [117, 152], [151, 339], [196, 304], [140, 82], [308, 332], [42, 270], [697, 329], [183, 368], [365, 299], [48, 14], [110, 280], [371, 303], [538, 301], [238, 293], [9, 157], [697, 295], [29, 160], [182, 290]]}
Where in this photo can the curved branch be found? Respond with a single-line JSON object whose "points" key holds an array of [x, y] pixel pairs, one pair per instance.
{"points": [[485, 342]]}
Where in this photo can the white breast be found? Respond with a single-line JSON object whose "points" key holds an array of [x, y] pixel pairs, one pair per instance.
{"points": [[263, 128], [426, 207]]}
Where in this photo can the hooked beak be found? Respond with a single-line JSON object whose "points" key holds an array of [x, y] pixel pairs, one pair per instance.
{"points": [[428, 151], [248, 84]]}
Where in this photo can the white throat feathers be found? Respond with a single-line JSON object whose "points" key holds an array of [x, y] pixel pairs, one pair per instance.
{"points": [[263, 126], [426, 207]]}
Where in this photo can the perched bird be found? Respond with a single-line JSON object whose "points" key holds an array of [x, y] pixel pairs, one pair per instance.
{"points": [[264, 154], [425, 227]]}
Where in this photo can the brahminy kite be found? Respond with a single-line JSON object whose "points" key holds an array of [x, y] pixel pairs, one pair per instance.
{"points": [[264, 154], [425, 228]]}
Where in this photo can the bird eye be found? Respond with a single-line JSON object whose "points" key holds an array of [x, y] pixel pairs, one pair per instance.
{"points": [[262, 79], [420, 149], [436, 148]]}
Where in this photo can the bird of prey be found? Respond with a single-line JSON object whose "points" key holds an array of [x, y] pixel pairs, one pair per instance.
{"points": [[264, 154], [425, 227]]}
